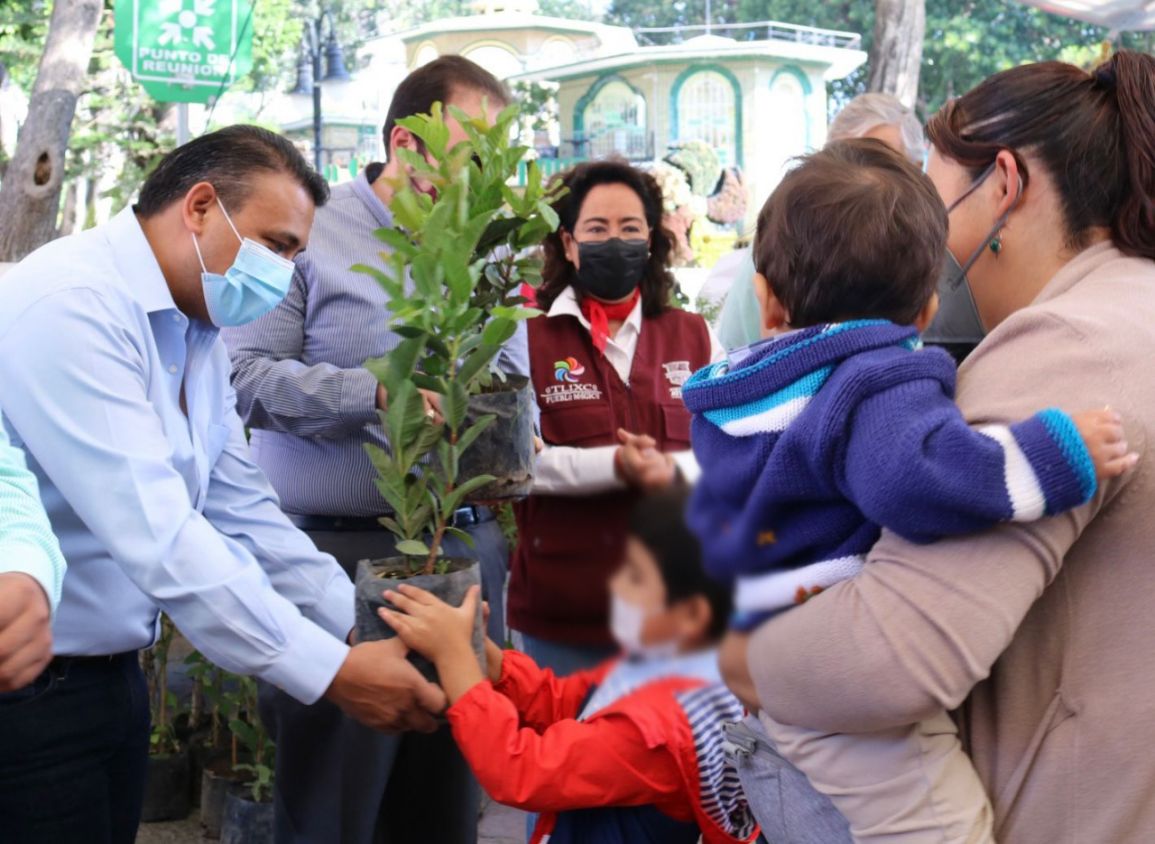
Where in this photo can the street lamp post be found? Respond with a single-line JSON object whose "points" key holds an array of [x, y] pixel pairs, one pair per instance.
{"points": [[309, 77]]}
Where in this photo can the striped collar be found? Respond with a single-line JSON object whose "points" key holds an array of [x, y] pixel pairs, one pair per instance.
{"points": [[771, 387], [629, 675]]}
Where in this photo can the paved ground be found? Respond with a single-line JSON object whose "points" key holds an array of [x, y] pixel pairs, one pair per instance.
{"points": [[499, 825]]}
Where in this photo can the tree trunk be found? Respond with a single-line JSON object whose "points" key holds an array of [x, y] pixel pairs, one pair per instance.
{"points": [[68, 211], [896, 55], [30, 195], [90, 197]]}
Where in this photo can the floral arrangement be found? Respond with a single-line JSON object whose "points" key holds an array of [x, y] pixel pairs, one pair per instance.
{"points": [[699, 161], [728, 205], [685, 167]]}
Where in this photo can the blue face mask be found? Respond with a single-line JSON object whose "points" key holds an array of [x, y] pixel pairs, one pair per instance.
{"points": [[256, 282]]}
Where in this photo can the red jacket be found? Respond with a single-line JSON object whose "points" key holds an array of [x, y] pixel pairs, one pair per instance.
{"points": [[523, 743], [568, 546]]}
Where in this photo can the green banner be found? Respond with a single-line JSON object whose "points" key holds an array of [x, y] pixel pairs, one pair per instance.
{"points": [[185, 51]]}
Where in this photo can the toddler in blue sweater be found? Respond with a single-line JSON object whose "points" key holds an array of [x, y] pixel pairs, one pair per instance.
{"points": [[841, 424]]}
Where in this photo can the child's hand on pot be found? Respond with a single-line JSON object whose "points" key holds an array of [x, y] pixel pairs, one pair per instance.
{"points": [[441, 633]]}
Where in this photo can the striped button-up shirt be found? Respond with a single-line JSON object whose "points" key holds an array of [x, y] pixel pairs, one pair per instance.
{"points": [[27, 544], [298, 370]]}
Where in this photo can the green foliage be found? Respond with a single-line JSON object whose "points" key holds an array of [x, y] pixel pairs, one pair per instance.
{"points": [[23, 27], [249, 736], [966, 40], [452, 276], [210, 682], [163, 703]]}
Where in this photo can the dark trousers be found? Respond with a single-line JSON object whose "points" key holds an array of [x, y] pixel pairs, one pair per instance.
{"points": [[74, 752], [338, 782]]}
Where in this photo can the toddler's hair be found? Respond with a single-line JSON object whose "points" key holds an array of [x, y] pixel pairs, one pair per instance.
{"points": [[854, 231]]}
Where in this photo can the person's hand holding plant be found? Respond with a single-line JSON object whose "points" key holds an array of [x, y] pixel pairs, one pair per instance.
{"points": [[439, 632]]}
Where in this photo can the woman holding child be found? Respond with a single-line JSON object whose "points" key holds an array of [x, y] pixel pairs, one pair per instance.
{"points": [[1036, 628]]}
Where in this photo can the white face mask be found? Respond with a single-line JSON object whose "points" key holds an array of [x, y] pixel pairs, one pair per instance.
{"points": [[627, 620]]}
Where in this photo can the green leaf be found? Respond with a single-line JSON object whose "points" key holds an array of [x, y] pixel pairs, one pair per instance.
{"points": [[454, 499], [549, 215], [498, 331], [516, 313], [470, 434], [454, 405], [462, 535], [475, 362], [413, 548]]}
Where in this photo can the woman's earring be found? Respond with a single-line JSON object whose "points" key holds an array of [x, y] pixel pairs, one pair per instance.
{"points": [[997, 244]]}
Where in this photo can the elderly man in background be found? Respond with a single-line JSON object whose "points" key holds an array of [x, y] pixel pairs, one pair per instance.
{"points": [[878, 116]]}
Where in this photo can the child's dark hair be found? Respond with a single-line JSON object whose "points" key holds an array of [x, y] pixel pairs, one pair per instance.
{"points": [[854, 231], [659, 523]]}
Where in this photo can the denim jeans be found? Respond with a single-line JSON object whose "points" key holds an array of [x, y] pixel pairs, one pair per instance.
{"points": [[74, 753], [783, 801]]}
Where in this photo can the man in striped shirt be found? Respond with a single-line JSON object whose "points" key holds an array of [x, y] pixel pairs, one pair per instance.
{"points": [[312, 406], [31, 574]]}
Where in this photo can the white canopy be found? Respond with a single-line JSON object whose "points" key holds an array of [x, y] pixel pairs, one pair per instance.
{"points": [[1116, 15]]}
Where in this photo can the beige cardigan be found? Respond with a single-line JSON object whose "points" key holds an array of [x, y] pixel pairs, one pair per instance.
{"points": [[1045, 630]]}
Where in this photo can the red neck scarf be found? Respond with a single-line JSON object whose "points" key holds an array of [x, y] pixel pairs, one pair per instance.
{"points": [[600, 314]]}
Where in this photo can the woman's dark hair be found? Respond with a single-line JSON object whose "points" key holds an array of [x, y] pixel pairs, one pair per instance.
{"points": [[1093, 132], [658, 283], [854, 231], [227, 159], [437, 82], [659, 523]]}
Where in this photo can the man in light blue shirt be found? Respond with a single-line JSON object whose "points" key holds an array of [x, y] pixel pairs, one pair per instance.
{"points": [[31, 571], [116, 384]]}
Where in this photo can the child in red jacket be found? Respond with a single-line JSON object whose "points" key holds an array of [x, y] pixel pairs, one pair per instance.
{"points": [[628, 752]]}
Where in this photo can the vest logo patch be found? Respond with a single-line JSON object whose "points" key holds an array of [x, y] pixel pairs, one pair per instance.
{"points": [[568, 371], [678, 372], [561, 393]]}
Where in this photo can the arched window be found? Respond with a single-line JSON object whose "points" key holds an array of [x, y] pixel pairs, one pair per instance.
{"points": [[788, 115], [426, 53], [708, 111], [614, 122], [496, 58], [558, 50]]}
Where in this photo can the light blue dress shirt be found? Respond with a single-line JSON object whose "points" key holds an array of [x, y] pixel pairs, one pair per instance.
{"points": [[155, 510], [26, 541]]}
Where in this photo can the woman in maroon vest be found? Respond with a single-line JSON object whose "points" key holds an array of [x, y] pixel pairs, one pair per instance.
{"points": [[608, 362]]}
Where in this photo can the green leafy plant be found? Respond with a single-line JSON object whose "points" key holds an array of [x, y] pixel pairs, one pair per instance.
{"points": [[209, 688], [163, 703], [249, 735], [456, 262]]}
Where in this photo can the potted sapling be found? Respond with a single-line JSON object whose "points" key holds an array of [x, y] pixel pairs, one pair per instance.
{"points": [[248, 807], [456, 259], [210, 751], [167, 790]]}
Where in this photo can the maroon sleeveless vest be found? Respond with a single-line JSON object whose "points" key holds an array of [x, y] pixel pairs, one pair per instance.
{"points": [[569, 546]]}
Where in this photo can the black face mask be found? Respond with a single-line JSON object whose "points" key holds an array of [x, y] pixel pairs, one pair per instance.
{"points": [[611, 269], [957, 327]]}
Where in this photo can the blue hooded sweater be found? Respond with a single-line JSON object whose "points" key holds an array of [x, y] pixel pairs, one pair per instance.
{"points": [[820, 438]]}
